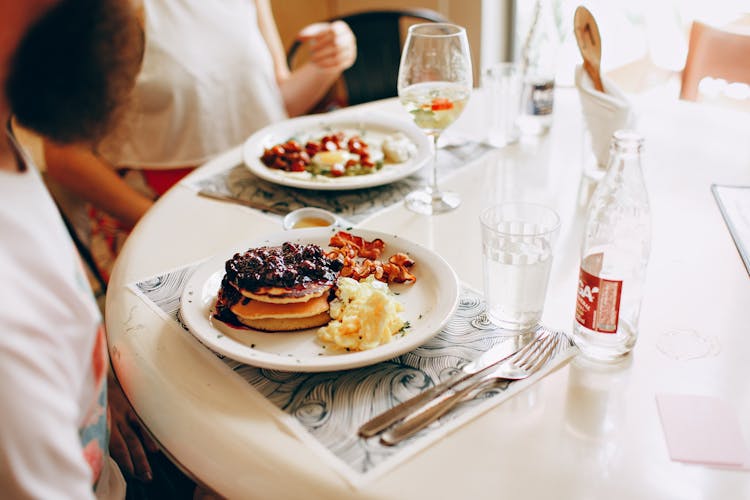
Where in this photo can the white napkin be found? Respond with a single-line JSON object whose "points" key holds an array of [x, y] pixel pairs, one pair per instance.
{"points": [[603, 112]]}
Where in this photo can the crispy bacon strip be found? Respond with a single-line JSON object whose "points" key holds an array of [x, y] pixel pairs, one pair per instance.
{"points": [[365, 249], [398, 268], [361, 259]]}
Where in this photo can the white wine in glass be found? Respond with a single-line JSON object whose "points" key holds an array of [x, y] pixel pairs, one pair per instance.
{"points": [[434, 83]]}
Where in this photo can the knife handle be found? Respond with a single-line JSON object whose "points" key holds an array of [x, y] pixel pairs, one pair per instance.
{"points": [[389, 417], [416, 423]]}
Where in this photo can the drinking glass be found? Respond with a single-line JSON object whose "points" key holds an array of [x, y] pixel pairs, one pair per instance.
{"points": [[434, 83], [501, 89], [517, 248]]}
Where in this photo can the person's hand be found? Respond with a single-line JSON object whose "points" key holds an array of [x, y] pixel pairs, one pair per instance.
{"points": [[332, 46], [128, 441]]}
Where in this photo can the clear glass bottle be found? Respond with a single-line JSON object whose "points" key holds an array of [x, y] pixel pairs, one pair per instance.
{"points": [[538, 58], [614, 255]]}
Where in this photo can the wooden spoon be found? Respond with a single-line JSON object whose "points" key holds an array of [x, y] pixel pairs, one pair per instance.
{"points": [[589, 43]]}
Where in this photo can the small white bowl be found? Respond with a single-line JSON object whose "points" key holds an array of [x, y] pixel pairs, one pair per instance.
{"points": [[311, 217]]}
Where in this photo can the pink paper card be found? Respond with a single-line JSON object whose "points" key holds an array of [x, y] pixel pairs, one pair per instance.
{"points": [[702, 430]]}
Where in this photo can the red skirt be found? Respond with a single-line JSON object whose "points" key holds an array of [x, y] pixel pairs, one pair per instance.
{"points": [[107, 234]]}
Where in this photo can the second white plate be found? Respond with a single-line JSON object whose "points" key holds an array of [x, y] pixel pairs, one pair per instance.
{"points": [[369, 127]]}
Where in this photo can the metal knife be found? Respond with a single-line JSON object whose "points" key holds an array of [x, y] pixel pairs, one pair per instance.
{"points": [[480, 366]]}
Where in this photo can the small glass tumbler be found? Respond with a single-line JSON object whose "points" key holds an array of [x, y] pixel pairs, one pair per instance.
{"points": [[517, 249], [501, 89]]}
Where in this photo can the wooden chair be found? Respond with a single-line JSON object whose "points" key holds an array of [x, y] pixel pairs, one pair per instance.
{"points": [[715, 53], [380, 36]]}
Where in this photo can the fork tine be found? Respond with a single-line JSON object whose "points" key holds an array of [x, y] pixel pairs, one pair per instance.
{"points": [[540, 355], [531, 349], [528, 350]]}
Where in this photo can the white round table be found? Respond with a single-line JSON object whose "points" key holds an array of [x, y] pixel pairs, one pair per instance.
{"points": [[582, 432]]}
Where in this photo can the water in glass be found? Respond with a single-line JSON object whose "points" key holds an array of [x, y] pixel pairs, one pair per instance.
{"points": [[517, 249], [516, 274]]}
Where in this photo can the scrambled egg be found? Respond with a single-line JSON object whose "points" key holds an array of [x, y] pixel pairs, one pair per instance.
{"points": [[364, 315]]}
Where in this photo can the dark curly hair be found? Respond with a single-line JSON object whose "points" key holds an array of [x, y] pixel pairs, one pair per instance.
{"points": [[75, 68]]}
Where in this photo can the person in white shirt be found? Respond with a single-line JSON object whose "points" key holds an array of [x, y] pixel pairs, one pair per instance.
{"points": [[64, 67], [213, 73]]}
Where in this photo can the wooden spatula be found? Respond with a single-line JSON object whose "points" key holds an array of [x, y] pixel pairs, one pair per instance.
{"points": [[589, 43]]}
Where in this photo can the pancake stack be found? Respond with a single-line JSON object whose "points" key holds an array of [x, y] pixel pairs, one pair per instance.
{"points": [[280, 288]]}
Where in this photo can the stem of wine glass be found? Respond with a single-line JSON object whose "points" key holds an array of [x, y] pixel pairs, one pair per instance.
{"points": [[434, 180]]}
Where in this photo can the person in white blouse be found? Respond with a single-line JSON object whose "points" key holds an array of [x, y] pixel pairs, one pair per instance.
{"points": [[213, 73]]}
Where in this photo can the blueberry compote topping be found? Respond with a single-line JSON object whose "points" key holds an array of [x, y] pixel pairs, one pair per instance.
{"points": [[289, 266]]}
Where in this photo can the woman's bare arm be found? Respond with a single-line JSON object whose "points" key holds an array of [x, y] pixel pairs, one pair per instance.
{"points": [[89, 177], [332, 49]]}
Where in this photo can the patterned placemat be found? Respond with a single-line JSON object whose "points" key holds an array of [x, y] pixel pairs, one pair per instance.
{"points": [[353, 205], [325, 409]]}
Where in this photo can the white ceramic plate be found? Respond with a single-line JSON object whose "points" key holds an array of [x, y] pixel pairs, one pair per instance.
{"points": [[371, 128], [428, 304]]}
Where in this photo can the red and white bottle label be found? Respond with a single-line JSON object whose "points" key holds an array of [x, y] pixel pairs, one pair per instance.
{"points": [[598, 303]]}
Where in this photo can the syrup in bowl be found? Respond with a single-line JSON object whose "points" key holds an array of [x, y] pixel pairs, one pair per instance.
{"points": [[310, 217], [311, 222]]}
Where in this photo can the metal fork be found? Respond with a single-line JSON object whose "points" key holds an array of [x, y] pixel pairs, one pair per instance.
{"points": [[521, 365]]}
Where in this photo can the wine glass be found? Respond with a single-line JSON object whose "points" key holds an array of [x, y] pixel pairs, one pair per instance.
{"points": [[434, 83]]}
